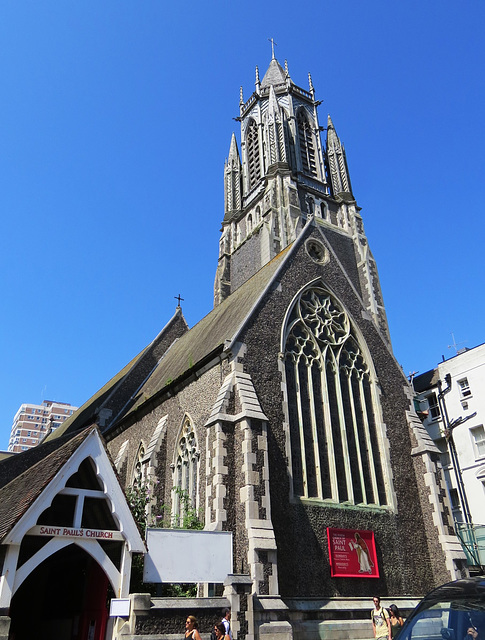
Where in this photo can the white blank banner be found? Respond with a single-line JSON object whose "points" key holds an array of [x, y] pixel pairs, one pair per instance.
{"points": [[181, 555]]}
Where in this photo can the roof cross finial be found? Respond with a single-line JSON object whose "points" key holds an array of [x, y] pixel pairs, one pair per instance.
{"points": [[179, 300], [273, 44]]}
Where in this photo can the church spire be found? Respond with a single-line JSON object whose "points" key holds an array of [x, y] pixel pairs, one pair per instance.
{"points": [[232, 180], [337, 162]]}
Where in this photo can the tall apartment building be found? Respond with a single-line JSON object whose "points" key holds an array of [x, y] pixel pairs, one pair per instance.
{"points": [[33, 421]]}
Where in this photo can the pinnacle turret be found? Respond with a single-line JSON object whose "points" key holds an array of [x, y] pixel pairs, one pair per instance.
{"points": [[337, 162]]}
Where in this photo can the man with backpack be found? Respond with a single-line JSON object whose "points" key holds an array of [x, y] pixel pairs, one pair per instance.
{"points": [[380, 621]]}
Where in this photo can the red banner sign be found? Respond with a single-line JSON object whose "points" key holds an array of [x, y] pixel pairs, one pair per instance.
{"points": [[352, 553]]}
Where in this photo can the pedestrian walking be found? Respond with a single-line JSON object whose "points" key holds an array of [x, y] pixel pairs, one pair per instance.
{"points": [[395, 619], [226, 621], [380, 620], [191, 629], [221, 632]]}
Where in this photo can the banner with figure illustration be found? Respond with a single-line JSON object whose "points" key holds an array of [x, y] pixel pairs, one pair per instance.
{"points": [[352, 553]]}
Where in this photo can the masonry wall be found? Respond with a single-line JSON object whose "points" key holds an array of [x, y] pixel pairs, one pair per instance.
{"points": [[404, 558], [194, 400]]}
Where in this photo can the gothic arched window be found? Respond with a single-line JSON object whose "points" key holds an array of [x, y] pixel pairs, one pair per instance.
{"points": [[139, 469], [185, 472], [334, 442], [252, 149], [307, 146]]}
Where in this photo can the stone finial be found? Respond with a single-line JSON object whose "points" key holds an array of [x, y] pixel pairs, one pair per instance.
{"points": [[310, 83], [241, 99], [286, 69], [257, 75]]}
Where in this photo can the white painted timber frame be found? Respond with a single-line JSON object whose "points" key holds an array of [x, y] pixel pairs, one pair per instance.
{"points": [[92, 447]]}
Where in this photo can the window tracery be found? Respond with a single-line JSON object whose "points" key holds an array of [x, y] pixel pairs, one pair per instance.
{"points": [[307, 146], [185, 471], [333, 437], [252, 148], [139, 468]]}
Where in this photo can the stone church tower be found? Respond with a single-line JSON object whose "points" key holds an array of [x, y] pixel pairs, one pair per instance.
{"points": [[284, 177]]}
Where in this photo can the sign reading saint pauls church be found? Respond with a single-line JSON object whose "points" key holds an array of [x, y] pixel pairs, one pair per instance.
{"points": [[352, 553]]}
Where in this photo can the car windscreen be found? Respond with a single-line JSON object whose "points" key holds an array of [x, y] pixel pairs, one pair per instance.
{"points": [[461, 619]]}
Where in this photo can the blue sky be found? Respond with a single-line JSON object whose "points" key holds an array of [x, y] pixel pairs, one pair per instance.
{"points": [[115, 121]]}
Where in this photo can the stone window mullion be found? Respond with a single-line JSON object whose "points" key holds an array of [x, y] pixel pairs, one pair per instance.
{"points": [[343, 432], [329, 434], [317, 445], [300, 429], [356, 436], [368, 441]]}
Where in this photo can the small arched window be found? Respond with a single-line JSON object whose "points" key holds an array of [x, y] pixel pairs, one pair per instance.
{"points": [[185, 472], [307, 145], [139, 469], [333, 435], [249, 226], [252, 149]]}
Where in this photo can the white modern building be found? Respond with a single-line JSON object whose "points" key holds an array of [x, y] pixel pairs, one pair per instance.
{"points": [[32, 422], [450, 400]]}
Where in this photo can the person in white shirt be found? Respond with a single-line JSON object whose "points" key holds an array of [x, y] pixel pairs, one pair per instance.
{"points": [[226, 621]]}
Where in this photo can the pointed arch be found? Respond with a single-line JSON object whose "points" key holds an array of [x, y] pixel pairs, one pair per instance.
{"points": [[253, 154], [185, 469], [335, 447], [138, 474], [306, 143]]}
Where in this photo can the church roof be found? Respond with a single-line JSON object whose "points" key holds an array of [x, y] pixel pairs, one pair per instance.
{"points": [[208, 337], [274, 75], [426, 380], [114, 394], [186, 354]]}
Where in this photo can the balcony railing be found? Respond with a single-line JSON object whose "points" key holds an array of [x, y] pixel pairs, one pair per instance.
{"points": [[472, 538]]}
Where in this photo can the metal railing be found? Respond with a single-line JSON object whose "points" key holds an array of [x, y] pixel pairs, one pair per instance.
{"points": [[472, 538]]}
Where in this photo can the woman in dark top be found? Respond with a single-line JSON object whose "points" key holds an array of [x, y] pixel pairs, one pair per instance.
{"points": [[191, 630], [221, 634], [395, 619]]}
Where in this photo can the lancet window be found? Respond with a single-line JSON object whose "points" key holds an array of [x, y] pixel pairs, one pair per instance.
{"points": [[185, 472], [307, 145], [252, 150], [139, 468], [333, 435]]}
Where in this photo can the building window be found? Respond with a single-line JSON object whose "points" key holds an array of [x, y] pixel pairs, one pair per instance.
{"points": [[478, 435], [307, 147], [465, 390], [185, 472], [138, 476], [434, 407], [454, 499], [333, 435], [252, 150]]}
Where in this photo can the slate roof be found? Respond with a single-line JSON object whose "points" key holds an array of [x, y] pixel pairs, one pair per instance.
{"points": [[426, 380], [114, 394], [274, 75], [209, 335], [184, 357], [25, 476]]}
